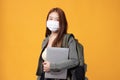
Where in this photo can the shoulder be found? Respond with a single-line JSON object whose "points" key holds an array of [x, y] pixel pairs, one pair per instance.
{"points": [[69, 37], [44, 42]]}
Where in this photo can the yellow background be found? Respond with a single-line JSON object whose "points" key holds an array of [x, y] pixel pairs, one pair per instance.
{"points": [[96, 23]]}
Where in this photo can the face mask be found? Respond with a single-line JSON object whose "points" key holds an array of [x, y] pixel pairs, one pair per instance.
{"points": [[53, 25]]}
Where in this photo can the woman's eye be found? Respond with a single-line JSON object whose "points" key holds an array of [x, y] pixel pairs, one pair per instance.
{"points": [[50, 19], [57, 19]]}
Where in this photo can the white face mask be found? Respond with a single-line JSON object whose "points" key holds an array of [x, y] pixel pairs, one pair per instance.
{"points": [[53, 25]]}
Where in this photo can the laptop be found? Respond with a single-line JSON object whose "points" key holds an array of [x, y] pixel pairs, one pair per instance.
{"points": [[56, 55]]}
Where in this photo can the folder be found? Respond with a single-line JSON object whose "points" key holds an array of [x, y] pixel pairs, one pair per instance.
{"points": [[56, 55]]}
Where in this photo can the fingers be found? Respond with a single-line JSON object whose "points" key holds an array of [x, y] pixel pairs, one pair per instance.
{"points": [[46, 66]]}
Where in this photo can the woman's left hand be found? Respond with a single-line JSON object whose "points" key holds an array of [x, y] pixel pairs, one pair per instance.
{"points": [[46, 66]]}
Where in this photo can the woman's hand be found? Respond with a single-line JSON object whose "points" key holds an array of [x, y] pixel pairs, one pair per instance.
{"points": [[46, 66]]}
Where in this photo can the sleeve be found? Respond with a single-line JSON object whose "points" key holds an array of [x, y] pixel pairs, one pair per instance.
{"points": [[43, 43], [38, 77], [71, 62], [40, 67]]}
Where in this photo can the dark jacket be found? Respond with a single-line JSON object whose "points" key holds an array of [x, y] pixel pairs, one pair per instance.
{"points": [[66, 64]]}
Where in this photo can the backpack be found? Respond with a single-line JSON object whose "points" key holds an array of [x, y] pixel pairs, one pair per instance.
{"points": [[78, 72]]}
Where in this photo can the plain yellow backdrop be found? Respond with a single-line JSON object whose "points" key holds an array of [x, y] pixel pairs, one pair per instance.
{"points": [[95, 23]]}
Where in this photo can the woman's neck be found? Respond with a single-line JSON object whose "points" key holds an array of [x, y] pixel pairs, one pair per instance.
{"points": [[51, 39], [53, 34]]}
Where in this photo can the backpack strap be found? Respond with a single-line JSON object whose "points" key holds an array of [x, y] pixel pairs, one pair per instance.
{"points": [[66, 40]]}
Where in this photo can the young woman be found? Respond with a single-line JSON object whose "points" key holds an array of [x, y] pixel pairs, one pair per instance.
{"points": [[56, 29]]}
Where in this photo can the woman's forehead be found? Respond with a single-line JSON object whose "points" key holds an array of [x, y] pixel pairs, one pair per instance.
{"points": [[54, 15]]}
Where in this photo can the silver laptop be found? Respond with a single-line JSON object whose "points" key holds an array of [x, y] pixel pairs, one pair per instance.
{"points": [[57, 55]]}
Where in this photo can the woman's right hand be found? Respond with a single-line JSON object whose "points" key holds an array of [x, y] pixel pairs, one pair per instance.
{"points": [[46, 66]]}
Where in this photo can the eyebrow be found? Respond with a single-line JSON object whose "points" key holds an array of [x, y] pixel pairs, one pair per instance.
{"points": [[52, 17]]}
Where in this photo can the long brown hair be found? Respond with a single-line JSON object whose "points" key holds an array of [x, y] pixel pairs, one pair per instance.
{"points": [[62, 23]]}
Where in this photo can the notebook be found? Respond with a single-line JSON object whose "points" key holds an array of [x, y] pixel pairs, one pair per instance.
{"points": [[56, 55]]}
